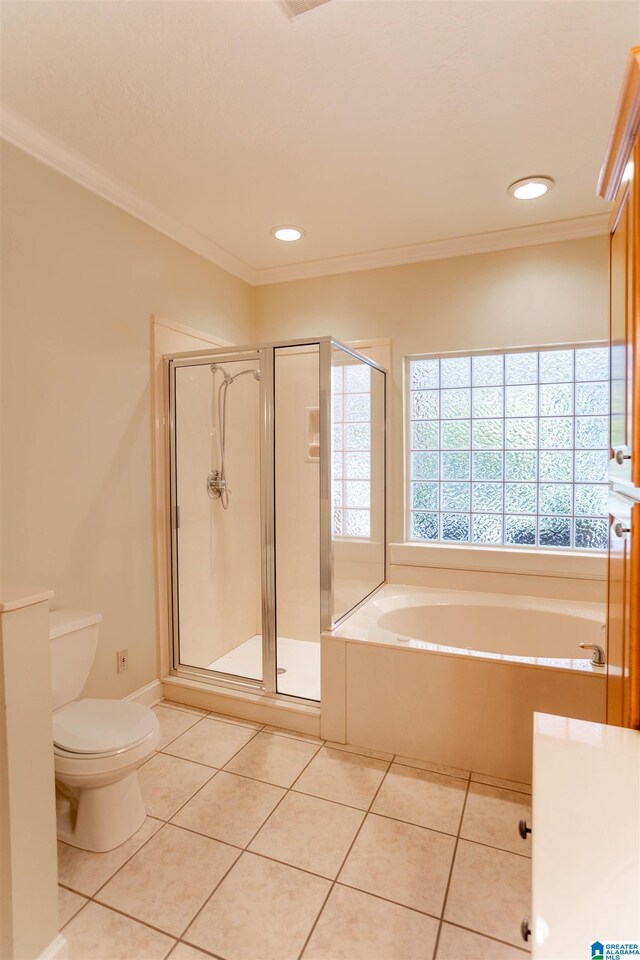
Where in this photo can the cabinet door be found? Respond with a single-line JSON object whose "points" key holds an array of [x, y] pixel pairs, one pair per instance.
{"points": [[633, 307], [623, 617], [625, 335], [620, 184]]}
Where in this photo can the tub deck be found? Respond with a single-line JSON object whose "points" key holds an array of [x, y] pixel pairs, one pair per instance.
{"points": [[446, 701]]}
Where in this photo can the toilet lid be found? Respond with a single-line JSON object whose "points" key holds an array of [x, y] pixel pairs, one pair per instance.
{"points": [[102, 726]]}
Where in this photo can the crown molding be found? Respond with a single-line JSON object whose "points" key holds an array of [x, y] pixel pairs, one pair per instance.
{"points": [[37, 143], [538, 233]]}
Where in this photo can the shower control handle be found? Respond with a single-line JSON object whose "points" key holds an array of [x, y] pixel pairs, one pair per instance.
{"points": [[215, 484]]}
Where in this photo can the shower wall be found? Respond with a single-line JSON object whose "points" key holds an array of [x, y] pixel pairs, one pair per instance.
{"points": [[358, 521], [218, 550]]}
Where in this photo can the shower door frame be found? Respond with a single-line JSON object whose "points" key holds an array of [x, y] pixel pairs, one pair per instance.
{"points": [[265, 353]]}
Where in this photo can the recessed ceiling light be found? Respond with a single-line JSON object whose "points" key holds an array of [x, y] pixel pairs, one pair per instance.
{"points": [[287, 233], [530, 188]]}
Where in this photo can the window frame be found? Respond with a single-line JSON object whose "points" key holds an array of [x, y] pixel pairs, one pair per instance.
{"points": [[406, 438]]}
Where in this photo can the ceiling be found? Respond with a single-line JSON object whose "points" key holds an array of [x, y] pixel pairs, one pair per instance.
{"points": [[373, 124]]}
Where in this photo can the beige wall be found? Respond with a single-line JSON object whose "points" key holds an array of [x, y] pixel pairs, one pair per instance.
{"points": [[533, 295], [80, 280]]}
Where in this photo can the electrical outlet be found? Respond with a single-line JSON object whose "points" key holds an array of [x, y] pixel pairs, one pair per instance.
{"points": [[123, 660]]}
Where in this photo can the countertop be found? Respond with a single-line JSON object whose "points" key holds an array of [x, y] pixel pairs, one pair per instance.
{"points": [[586, 837]]}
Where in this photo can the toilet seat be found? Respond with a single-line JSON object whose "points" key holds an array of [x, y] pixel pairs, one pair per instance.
{"points": [[92, 729]]}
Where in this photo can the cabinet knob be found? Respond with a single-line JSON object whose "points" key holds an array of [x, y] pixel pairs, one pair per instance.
{"points": [[523, 829], [525, 932], [620, 456], [620, 530]]}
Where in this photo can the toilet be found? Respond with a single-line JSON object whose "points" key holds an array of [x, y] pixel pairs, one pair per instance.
{"points": [[98, 745]]}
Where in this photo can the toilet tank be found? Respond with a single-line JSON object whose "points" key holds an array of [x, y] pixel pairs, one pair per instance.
{"points": [[73, 636]]}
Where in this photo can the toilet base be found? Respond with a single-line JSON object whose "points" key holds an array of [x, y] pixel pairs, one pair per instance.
{"points": [[100, 818]]}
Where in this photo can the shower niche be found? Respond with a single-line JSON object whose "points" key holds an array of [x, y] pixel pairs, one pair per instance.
{"points": [[277, 507]]}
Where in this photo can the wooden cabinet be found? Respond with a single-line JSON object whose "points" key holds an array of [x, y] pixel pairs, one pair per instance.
{"points": [[623, 611], [620, 183], [621, 333]]}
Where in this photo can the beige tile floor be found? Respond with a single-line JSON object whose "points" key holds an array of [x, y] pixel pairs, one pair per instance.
{"points": [[262, 844]]}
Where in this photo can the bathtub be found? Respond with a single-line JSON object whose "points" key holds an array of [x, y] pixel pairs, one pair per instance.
{"points": [[453, 678]]}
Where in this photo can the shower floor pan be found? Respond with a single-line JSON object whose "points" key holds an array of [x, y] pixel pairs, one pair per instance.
{"points": [[299, 658]]}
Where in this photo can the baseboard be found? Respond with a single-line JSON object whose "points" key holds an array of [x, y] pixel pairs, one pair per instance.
{"points": [[57, 949], [149, 695], [300, 717]]}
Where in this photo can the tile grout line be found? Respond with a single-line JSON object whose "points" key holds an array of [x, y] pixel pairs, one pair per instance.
{"points": [[121, 913], [176, 826], [333, 883], [392, 758], [344, 860], [165, 822], [245, 724], [287, 863], [453, 860], [216, 770], [341, 803], [141, 847], [182, 707], [245, 848], [177, 737], [488, 936], [395, 758], [461, 774], [494, 786], [127, 916], [67, 922], [287, 790], [216, 956], [144, 923], [379, 896]]}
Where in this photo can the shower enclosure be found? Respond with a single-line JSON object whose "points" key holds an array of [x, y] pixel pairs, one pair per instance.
{"points": [[277, 497]]}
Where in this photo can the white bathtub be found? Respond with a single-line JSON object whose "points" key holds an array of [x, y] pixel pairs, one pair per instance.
{"points": [[454, 678]]}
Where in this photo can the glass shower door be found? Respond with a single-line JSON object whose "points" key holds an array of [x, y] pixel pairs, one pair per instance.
{"points": [[216, 480]]}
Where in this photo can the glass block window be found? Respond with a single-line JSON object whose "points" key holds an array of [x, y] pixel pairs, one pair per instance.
{"points": [[510, 449], [351, 422]]}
